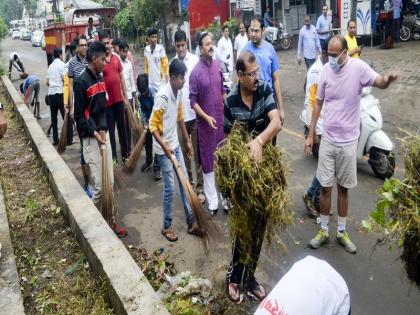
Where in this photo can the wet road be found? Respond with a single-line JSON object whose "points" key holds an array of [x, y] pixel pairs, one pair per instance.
{"points": [[376, 279]]}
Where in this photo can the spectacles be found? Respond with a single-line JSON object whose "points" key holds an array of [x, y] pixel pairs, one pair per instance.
{"points": [[252, 74], [83, 45], [335, 55], [208, 44]]}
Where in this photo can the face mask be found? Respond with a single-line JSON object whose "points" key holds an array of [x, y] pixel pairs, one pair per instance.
{"points": [[334, 62]]}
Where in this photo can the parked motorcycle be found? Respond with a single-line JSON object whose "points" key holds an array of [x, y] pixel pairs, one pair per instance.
{"points": [[227, 81], [277, 36], [410, 28], [372, 140]]}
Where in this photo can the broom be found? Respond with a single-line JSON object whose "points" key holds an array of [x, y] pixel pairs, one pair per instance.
{"points": [[107, 197], [131, 163], [135, 126], [209, 228], [63, 135]]}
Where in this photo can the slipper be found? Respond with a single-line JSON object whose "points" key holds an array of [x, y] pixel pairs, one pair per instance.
{"points": [[256, 290], [194, 229], [169, 234], [232, 291]]}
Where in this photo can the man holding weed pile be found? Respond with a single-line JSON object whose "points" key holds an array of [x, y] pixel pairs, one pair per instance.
{"points": [[252, 103]]}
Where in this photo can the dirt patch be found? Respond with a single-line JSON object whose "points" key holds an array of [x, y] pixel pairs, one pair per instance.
{"points": [[54, 275]]}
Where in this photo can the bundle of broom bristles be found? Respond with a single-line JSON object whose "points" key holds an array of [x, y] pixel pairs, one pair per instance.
{"points": [[257, 191]]}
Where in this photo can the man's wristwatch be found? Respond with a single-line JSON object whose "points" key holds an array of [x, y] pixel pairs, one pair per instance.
{"points": [[1, 106]]}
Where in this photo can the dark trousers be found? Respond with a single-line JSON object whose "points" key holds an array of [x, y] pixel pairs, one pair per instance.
{"points": [[57, 105], [309, 62], [192, 132], [396, 26], [322, 41], [19, 64], [244, 273], [115, 113], [149, 152]]}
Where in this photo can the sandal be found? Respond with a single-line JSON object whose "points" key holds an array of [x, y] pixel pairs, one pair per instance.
{"points": [[257, 290], [169, 234], [232, 291]]}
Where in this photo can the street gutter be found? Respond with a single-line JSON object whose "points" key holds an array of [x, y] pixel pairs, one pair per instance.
{"points": [[128, 289]]}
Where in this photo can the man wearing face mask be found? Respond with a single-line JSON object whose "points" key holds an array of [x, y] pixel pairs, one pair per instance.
{"points": [[339, 92]]}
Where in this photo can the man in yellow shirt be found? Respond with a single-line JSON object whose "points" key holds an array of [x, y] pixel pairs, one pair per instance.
{"points": [[353, 49]]}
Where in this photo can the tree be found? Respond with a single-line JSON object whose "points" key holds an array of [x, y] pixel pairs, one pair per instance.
{"points": [[148, 13], [124, 20], [11, 10], [3, 28]]}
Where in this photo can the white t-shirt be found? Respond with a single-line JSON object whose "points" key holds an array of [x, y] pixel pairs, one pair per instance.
{"points": [[129, 78], [312, 78], [240, 42], [166, 113], [225, 49], [12, 55], [154, 64], [190, 61], [310, 287], [55, 76]]}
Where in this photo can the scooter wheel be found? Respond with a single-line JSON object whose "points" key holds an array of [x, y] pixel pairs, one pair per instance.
{"points": [[285, 43], [405, 33], [382, 163]]}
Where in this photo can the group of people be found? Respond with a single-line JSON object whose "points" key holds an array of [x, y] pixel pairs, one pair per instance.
{"points": [[185, 98]]}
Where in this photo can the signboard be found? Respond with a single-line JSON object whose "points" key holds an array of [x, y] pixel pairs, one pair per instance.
{"points": [[345, 15], [364, 18]]}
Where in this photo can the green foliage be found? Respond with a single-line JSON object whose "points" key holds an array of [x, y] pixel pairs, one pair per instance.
{"points": [[216, 29], [3, 28], [148, 13], [124, 20], [11, 10], [258, 192]]}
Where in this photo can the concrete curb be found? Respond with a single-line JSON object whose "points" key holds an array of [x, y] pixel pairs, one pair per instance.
{"points": [[11, 301], [129, 290]]}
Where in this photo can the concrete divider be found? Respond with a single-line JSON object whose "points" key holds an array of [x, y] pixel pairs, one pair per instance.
{"points": [[10, 298], [129, 290]]}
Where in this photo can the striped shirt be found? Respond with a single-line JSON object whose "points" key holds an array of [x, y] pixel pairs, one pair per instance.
{"points": [[256, 118], [76, 66]]}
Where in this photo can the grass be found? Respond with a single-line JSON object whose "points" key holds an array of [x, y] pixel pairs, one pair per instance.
{"points": [[54, 275]]}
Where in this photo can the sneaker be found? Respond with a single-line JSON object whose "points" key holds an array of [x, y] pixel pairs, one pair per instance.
{"points": [[320, 239], [310, 205], [158, 175], [226, 204], [120, 231], [146, 166], [344, 240], [89, 191]]}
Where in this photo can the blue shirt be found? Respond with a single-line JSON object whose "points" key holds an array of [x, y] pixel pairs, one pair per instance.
{"points": [[266, 58], [267, 18], [397, 5], [28, 81], [322, 25], [308, 42]]}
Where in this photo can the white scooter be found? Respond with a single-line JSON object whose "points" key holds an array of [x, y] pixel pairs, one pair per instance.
{"points": [[373, 140]]}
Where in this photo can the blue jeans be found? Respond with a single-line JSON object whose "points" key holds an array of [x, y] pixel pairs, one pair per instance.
{"points": [[168, 173], [314, 190]]}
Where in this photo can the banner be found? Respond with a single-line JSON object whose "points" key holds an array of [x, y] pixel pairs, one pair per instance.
{"points": [[363, 18], [345, 15]]}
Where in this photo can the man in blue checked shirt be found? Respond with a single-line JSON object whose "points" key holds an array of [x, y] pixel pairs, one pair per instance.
{"points": [[323, 25], [396, 5], [308, 43]]}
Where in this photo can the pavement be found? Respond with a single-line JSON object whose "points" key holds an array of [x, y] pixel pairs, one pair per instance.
{"points": [[375, 277]]}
